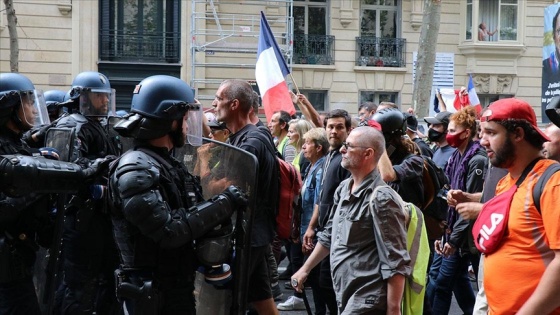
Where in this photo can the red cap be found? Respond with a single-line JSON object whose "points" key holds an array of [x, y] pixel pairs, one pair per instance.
{"points": [[512, 108]]}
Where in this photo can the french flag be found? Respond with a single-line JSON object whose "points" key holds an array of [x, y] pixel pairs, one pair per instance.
{"points": [[468, 99], [270, 71]]}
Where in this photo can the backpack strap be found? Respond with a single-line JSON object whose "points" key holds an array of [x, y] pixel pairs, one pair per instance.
{"points": [[539, 186]]}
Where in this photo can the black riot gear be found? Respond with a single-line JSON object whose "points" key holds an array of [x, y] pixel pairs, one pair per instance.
{"points": [[392, 121], [25, 223], [92, 91]]}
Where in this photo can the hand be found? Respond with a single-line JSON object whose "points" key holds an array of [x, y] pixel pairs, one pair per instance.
{"points": [[307, 246], [98, 167], [236, 195], [294, 97], [469, 210], [298, 280], [455, 196]]}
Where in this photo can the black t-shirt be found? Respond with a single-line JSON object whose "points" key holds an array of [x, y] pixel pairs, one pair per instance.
{"points": [[424, 148], [333, 175], [250, 138]]}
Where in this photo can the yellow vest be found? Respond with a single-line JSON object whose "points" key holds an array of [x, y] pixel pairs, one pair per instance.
{"points": [[419, 251]]}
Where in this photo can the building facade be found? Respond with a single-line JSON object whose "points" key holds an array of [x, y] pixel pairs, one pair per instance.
{"points": [[341, 52]]}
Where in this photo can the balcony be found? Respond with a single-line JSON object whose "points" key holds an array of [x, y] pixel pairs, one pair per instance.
{"points": [[313, 49], [380, 52], [163, 47]]}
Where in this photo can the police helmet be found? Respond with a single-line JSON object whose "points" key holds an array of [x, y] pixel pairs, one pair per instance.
{"points": [[15, 90], [12, 85], [54, 96], [163, 97], [94, 92], [157, 101], [392, 121]]}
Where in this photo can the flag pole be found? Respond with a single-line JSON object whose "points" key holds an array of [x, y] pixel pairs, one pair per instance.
{"points": [[294, 82]]}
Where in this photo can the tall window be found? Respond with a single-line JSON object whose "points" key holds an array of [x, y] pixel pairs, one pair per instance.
{"points": [[378, 44], [379, 18], [497, 20], [140, 30], [311, 43]]}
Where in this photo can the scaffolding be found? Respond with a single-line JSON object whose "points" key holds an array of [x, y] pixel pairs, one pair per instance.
{"points": [[224, 39]]}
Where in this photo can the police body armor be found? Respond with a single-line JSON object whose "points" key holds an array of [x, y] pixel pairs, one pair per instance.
{"points": [[155, 238]]}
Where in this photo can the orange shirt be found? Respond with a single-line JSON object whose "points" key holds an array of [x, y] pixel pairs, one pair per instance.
{"points": [[512, 273]]}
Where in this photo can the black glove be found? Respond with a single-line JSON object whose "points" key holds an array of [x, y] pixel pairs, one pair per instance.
{"points": [[236, 195], [37, 135], [98, 167]]}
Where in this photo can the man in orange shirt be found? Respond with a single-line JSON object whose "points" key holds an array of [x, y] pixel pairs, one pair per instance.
{"points": [[523, 275]]}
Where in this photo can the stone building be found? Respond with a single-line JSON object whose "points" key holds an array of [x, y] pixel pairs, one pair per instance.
{"points": [[341, 52]]}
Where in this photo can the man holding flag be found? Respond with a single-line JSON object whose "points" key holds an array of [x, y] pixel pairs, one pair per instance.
{"points": [[466, 96], [270, 71]]}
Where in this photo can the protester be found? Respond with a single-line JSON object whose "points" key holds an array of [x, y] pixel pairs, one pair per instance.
{"points": [[337, 125], [368, 276], [465, 170], [366, 111], [412, 133], [278, 127], [552, 147], [232, 104], [437, 134], [522, 275]]}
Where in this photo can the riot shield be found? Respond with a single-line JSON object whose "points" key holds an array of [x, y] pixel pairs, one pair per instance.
{"points": [[62, 140], [220, 165]]}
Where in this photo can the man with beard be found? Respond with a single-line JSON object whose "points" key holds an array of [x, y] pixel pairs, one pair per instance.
{"points": [[338, 125], [365, 236], [531, 246], [88, 284]]}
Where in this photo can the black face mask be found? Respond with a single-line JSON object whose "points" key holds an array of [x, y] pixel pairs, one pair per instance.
{"points": [[435, 135]]}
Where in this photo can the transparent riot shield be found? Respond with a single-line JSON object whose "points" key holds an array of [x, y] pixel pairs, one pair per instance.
{"points": [[220, 165], [62, 140]]}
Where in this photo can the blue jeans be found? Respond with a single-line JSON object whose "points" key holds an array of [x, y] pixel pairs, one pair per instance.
{"points": [[448, 276]]}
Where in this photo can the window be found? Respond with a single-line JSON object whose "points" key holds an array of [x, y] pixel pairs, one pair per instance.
{"points": [[318, 98], [140, 30], [378, 97], [312, 45], [378, 44], [496, 20]]}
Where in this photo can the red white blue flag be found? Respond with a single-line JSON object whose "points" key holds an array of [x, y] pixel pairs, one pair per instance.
{"points": [[270, 73], [467, 98]]}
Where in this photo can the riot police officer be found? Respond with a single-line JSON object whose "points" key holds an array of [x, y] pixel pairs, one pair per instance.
{"points": [[24, 220], [89, 251], [158, 204]]}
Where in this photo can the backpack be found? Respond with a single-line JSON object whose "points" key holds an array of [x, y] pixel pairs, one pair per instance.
{"points": [[436, 185], [289, 188]]}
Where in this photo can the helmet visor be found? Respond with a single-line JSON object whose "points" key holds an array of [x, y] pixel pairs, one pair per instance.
{"points": [[194, 125], [34, 108], [98, 102]]}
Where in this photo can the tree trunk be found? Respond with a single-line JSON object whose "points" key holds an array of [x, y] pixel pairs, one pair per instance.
{"points": [[14, 45], [426, 57]]}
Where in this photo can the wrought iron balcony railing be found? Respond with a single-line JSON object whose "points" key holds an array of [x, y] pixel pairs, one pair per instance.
{"points": [[148, 47], [313, 49], [380, 52]]}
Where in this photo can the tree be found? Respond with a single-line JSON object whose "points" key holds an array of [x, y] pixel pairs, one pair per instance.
{"points": [[426, 59], [14, 46]]}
